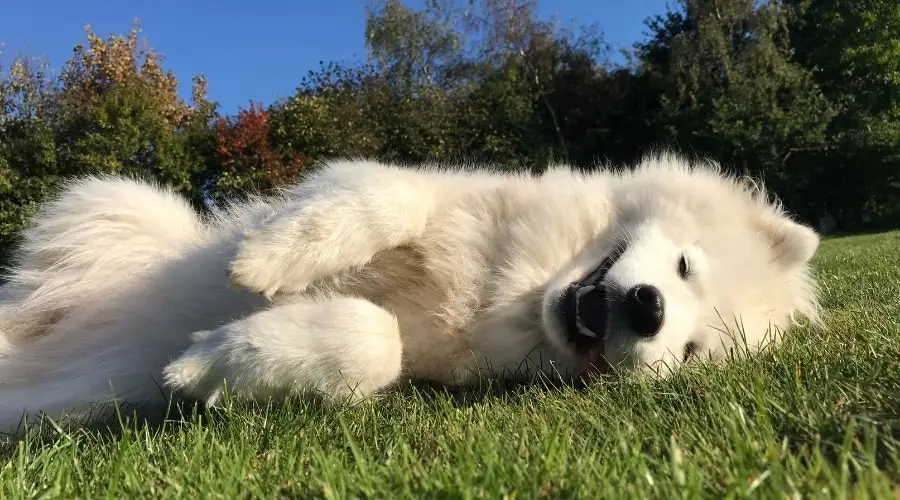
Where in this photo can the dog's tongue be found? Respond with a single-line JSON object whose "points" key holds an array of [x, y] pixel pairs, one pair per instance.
{"points": [[593, 364]]}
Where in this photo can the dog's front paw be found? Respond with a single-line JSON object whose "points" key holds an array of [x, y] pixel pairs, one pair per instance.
{"points": [[256, 269], [322, 236], [195, 372], [269, 262]]}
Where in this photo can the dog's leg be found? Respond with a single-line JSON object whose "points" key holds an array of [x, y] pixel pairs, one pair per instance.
{"points": [[343, 348], [337, 220]]}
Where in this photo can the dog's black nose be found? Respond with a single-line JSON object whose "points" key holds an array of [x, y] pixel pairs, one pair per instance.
{"points": [[644, 310]]}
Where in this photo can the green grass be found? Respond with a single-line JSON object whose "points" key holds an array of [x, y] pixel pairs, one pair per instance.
{"points": [[817, 417]]}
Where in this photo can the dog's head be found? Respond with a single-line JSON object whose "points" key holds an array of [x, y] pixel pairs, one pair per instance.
{"points": [[689, 264]]}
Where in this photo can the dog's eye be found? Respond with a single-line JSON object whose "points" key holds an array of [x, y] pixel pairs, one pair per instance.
{"points": [[684, 268]]}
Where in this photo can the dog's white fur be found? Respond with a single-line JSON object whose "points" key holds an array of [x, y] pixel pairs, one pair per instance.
{"points": [[366, 273]]}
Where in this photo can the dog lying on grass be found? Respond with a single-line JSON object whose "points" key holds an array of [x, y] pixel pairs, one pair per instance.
{"points": [[365, 274]]}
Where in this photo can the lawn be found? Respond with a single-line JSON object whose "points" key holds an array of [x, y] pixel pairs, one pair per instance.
{"points": [[817, 417]]}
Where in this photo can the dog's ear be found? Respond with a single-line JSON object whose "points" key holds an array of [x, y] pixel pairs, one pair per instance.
{"points": [[792, 244]]}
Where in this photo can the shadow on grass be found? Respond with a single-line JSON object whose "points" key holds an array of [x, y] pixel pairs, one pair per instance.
{"points": [[112, 420]]}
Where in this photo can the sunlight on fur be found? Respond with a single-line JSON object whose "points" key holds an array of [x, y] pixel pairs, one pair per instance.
{"points": [[367, 274]]}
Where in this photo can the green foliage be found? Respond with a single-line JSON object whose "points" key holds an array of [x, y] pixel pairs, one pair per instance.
{"points": [[853, 49], [411, 48], [120, 113], [110, 110], [28, 164], [333, 113], [730, 88]]}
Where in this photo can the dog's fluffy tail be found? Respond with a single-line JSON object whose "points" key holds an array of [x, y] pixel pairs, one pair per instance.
{"points": [[97, 237]]}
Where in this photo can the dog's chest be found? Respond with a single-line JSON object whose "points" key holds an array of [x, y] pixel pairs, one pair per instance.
{"points": [[434, 286]]}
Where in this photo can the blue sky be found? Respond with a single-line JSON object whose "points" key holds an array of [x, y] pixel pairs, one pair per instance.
{"points": [[257, 50]]}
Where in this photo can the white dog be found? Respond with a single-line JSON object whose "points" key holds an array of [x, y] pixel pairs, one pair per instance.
{"points": [[366, 274]]}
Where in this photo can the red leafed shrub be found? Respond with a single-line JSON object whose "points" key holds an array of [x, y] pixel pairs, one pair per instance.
{"points": [[246, 155], [244, 139]]}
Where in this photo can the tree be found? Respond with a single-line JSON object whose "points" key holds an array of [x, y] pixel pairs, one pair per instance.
{"points": [[28, 113], [112, 109], [852, 50], [121, 112], [729, 88]]}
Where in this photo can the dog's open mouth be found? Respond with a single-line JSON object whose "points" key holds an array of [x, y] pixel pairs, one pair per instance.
{"points": [[585, 309]]}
